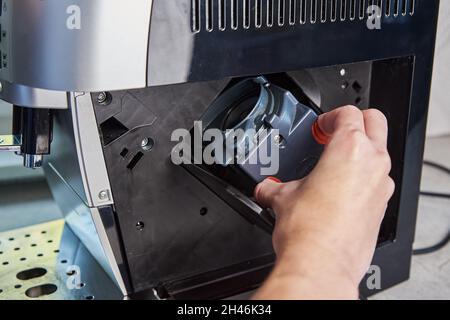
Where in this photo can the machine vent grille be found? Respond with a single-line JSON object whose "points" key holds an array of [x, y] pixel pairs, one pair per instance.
{"points": [[222, 15]]}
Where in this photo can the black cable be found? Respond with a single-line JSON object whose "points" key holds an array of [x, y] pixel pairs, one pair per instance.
{"points": [[436, 166], [433, 248], [435, 194], [440, 168], [446, 239]]}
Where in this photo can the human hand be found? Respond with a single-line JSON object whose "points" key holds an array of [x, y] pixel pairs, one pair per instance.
{"points": [[328, 223]]}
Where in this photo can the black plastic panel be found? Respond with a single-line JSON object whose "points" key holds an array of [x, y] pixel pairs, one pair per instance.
{"points": [[177, 240], [169, 242]]}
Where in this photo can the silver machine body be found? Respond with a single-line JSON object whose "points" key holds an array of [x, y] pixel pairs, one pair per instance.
{"points": [[53, 54]]}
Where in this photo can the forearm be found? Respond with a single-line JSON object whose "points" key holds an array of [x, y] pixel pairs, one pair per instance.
{"points": [[308, 273]]}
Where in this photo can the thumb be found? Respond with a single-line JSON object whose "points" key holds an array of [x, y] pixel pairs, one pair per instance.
{"points": [[266, 191]]}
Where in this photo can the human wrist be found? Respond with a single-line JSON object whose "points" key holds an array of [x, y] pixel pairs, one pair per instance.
{"points": [[318, 269]]}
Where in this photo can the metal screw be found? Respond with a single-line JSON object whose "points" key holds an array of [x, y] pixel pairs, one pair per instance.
{"points": [[278, 139], [102, 97], [140, 225], [1, 87], [103, 195], [343, 72], [147, 144], [2, 140]]}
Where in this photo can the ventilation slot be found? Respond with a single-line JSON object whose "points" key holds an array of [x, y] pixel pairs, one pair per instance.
{"points": [[270, 13], [247, 9], [195, 15], [302, 11], [396, 7], [258, 13], [343, 10], [281, 12], [333, 10], [313, 11], [387, 8], [323, 10], [222, 15], [362, 9], [292, 11], [234, 14], [209, 15], [352, 9], [412, 6], [404, 7]]}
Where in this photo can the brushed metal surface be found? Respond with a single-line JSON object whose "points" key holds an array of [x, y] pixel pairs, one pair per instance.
{"points": [[104, 49]]}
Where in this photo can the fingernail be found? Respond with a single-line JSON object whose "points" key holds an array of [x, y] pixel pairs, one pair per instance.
{"points": [[259, 186], [274, 179], [318, 134], [257, 192]]}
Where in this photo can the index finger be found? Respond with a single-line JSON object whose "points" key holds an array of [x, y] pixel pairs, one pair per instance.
{"points": [[349, 117], [376, 127]]}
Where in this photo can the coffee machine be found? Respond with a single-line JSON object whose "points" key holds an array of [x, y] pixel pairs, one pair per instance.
{"points": [[98, 88]]}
